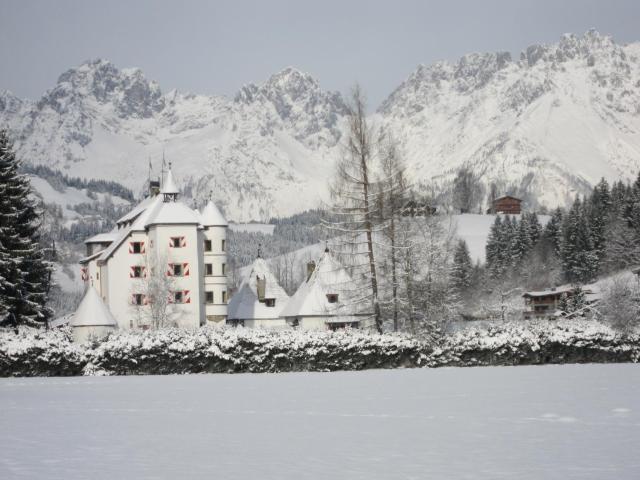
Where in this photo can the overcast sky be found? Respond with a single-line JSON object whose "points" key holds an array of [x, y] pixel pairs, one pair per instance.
{"points": [[214, 47]]}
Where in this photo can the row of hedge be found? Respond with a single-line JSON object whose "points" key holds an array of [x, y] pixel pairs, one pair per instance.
{"points": [[37, 353]]}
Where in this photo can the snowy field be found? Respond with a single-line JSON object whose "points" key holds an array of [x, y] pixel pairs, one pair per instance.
{"points": [[552, 422]]}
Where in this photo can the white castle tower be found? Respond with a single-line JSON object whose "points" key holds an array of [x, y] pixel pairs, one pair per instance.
{"points": [[214, 262]]}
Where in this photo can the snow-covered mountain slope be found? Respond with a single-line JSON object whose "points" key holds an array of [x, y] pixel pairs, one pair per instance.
{"points": [[269, 145], [551, 123], [546, 126]]}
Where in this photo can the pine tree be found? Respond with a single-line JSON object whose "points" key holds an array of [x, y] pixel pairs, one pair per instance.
{"points": [[494, 249], [552, 233], [462, 270], [24, 271], [579, 260]]}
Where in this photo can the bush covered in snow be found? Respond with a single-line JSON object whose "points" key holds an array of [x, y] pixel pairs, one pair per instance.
{"points": [[172, 351], [537, 342]]}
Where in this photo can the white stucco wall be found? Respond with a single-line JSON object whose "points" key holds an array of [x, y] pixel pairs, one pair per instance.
{"points": [[216, 283]]}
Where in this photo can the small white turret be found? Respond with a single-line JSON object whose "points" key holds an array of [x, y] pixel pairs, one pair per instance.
{"points": [[215, 262], [169, 189], [92, 318]]}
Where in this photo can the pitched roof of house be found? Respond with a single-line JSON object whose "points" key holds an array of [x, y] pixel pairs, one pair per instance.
{"points": [[245, 305], [103, 237], [171, 213], [92, 312], [328, 277]]}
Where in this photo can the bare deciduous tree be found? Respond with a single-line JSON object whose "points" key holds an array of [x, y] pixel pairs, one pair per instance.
{"points": [[620, 303], [354, 196], [156, 287]]}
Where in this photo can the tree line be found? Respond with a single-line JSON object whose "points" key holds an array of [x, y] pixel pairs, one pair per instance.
{"points": [[598, 234]]}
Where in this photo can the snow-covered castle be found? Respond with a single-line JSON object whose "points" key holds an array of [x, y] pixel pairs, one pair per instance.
{"points": [[163, 249], [165, 264]]}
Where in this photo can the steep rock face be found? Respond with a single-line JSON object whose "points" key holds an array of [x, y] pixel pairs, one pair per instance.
{"points": [[547, 126], [273, 142]]}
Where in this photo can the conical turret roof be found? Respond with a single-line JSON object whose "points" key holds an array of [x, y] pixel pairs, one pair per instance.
{"points": [[211, 216], [169, 185], [92, 312]]}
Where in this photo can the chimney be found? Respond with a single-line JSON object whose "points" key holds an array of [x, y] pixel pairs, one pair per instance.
{"points": [[261, 286], [154, 188], [311, 266]]}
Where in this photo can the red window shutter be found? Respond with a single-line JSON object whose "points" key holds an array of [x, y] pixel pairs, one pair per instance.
{"points": [[145, 300], [183, 242], [142, 247], [170, 270], [185, 269], [132, 272], [84, 274], [186, 297], [144, 272], [130, 247]]}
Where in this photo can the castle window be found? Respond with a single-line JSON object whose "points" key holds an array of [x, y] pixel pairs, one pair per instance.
{"points": [[138, 299], [136, 272], [178, 242], [178, 297], [270, 302], [208, 297], [223, 246], [332, 297], [136, 247], [207, 245], [177, 270], [208, 269], [224, 297], [224, 269]]}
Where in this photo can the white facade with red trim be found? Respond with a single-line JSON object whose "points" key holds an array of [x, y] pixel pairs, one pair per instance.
{"points": [[187, 245]]}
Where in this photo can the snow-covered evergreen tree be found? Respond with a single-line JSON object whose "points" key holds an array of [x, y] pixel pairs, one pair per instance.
{"points": [[579, 259], [462, 270], [25, 274]]}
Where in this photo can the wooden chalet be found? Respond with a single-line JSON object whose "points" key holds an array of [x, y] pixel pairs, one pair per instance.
{"points": [[545, 303], [508, 205]]}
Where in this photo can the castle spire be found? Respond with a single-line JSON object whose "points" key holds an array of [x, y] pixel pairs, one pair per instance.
{"points": [[169, 189]]}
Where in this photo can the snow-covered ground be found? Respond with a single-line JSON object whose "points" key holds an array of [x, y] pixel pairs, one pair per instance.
{"points": [[551, 422]]}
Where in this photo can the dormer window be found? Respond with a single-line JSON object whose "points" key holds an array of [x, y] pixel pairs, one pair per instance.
{"points": [[332, 297]]}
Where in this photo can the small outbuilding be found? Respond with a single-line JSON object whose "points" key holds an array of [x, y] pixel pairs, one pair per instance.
{"points": [[92, 318], [259, 300], [326, 300]]}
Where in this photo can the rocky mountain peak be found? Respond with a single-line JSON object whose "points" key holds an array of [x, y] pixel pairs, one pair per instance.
{"points": [[128, 90], [297, 101]]}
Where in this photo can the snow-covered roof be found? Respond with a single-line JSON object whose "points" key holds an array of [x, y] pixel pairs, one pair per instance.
{"points": [[90, 257], [245, 305], [103, 237], [141, 207], [168, 213], [212, 217], [92, 312], [169, 185], [328, 277]]}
